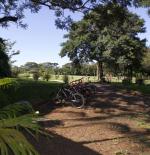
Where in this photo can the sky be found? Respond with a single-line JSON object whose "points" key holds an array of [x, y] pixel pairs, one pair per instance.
{"points": [[40, 42]]}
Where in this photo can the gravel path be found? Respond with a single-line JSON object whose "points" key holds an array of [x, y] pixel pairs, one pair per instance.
{"points": [[109, 125]]}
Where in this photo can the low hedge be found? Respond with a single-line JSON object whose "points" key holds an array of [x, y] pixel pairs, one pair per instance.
{"points": [[14, 90], [15, 110]]}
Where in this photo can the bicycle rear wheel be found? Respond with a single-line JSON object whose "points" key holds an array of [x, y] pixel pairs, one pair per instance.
{"points": [[78, 100]]}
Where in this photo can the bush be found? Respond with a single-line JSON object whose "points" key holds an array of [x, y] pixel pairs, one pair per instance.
{"points": [[126, 81], [139, 81], [3, 99], [36, 76], [57, 77], [27, 90], [46, 76], [66, 79], [16, 109]]}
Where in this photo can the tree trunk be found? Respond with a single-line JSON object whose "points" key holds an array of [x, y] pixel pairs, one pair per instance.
{"points": [[100, 71]]}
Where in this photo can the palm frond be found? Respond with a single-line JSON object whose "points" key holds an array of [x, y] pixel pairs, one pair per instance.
{"points": [[11, 140], [14, 110], [12, 129]]}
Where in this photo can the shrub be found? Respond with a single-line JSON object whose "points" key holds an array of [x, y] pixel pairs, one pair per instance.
{"points": [[27, 90], [36, 76], [56, 77], [126, 81], [139, 81], [16, 109], [46, 76], [3, 99], [66, 79]]}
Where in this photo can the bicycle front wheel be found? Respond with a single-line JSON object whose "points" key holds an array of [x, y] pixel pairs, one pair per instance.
{"points": [[78, 100]]}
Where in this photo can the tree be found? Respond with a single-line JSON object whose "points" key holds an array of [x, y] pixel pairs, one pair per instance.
{"points": [[13, 10], [146, 4], [146, 62], [29, 66], [105, 35], [5, 70]]}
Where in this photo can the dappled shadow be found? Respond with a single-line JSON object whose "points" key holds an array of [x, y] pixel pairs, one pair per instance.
{"points": [[45, 123], [110, 112], [100, 118], [138, 136], [72, 113], [45, 107], [58, 145], [109, 99]]}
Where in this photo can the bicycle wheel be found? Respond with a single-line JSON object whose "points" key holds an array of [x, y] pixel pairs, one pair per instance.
{"points": [[59, 97], [78, 100]]}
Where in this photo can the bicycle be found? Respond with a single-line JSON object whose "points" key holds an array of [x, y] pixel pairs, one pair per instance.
{"points": [[85, 89], [66, 95]]}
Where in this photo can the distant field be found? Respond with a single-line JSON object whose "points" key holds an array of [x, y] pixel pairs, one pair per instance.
{"points": [[86, 78], [60, 77]]}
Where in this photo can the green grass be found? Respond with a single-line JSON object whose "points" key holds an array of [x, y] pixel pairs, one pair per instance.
{"points": [[14, 90], [60, 77]]}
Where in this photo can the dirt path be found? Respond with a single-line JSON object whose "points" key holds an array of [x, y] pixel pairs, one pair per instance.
{"points": [[113, 123]]}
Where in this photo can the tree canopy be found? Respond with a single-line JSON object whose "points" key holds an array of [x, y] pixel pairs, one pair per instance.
{"points": [[14, 10], [108, 34]]}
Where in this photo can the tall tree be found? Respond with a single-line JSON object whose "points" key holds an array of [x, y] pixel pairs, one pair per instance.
{"points": [[5, 70], [106, 34]]}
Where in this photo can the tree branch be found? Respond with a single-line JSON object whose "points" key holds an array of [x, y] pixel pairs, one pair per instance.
{"points": [[8, 19]]}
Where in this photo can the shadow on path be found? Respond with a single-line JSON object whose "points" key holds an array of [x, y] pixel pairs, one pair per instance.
{"points": [[58, 145]]}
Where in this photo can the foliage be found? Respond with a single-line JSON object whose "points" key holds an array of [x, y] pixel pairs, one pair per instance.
{"points": [[146, 62], [66, 79], [4, 60], [47, 69], [108, 35], [46, 76], [29, 66], [82, 69], [13, 10], [26, 90], [15, 71], [15, 110], [36, 76], [12, 138]]}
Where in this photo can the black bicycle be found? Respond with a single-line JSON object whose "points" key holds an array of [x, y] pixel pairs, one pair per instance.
{"points": [[67, 95]]}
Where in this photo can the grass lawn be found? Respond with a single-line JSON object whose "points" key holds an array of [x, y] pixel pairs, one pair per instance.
{"points": [[13, 90]]}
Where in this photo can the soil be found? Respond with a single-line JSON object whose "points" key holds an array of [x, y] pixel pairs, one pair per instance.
{"points": [[114, 122]]}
